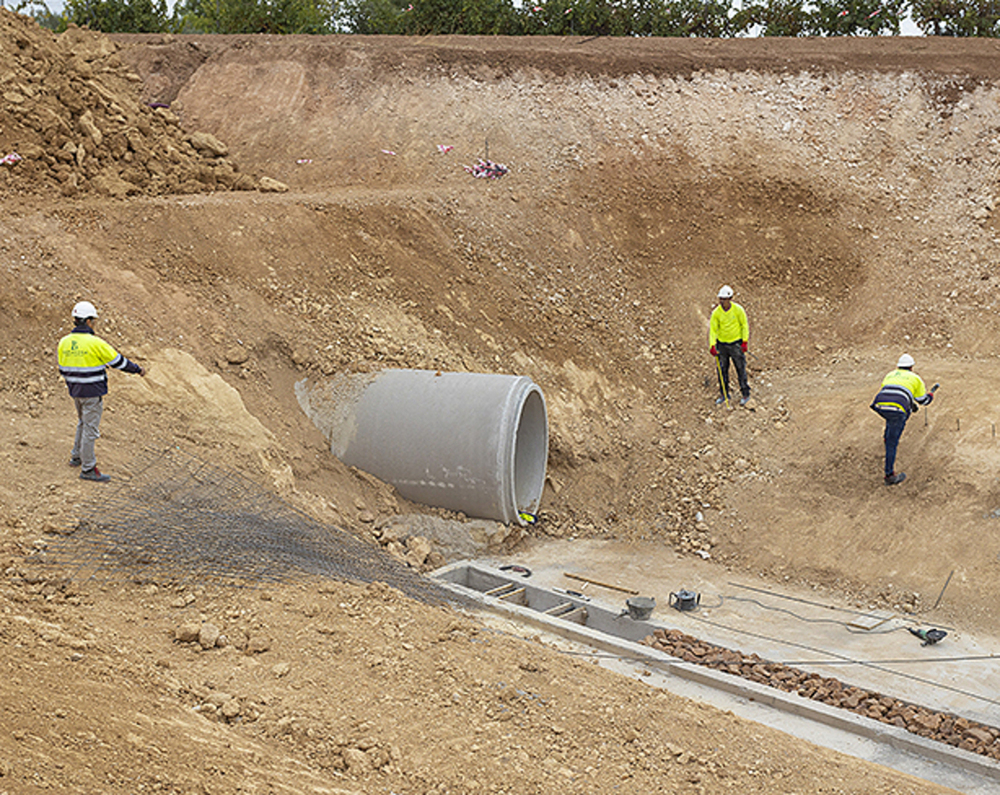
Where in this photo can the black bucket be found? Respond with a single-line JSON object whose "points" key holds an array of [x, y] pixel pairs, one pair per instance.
{"points": [[685, 600]]}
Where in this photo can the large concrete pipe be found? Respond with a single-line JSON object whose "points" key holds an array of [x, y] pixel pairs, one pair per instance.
{"points": [[468, 442]]}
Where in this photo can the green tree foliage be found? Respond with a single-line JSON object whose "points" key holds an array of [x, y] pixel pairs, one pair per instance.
{"points": [[774, 18], [553, 18], [702, 18], [692, 18], [255, 16], [626, 18], [46, 19], [858, 17], [709, 19], [41, 13], [601, 18], [957, 17], [119, 16], [373, 16], [432, 17]]}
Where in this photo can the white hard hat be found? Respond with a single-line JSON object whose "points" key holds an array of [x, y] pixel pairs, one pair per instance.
{"points": [[725, 291], [84, 310], [905, 361]]}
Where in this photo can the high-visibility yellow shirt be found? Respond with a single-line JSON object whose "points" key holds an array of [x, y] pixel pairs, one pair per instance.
{"points": [[901, 390], [731, 326], [83, 359]]}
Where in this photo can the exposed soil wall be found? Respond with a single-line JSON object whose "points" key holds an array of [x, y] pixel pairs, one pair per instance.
{"points": [[845, 188]]}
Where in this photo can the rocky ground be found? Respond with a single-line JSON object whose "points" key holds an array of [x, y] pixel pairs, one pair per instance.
{"points": [[248, 211]]}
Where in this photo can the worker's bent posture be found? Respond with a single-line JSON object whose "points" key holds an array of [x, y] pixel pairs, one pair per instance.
{"points": [[902, 392]]}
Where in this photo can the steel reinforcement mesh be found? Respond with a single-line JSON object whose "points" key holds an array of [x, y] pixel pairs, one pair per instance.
{"points": [[181, 519]]}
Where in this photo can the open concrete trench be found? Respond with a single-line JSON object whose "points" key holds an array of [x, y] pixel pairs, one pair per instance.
{"points": [[961, 752]]}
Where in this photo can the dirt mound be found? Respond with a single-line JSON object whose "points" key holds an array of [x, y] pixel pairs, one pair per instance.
{"points": [[72, 121]]}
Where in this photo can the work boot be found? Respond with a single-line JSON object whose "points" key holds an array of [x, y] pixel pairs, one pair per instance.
{"points": [[95, 475], [75, 462], [894, 478]]}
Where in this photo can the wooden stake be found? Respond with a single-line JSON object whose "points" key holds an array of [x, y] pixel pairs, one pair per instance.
{"points": [[602, 584]]}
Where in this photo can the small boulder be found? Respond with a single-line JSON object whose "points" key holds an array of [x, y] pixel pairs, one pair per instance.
{"points": [[268, 185], [208, 635], [187, 633], [237, 355], [357, 761], [207, 144], [418, 548]]}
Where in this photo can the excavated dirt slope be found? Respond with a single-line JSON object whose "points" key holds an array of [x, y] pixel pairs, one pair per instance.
{"points": [[845, 188], [72, 110]]}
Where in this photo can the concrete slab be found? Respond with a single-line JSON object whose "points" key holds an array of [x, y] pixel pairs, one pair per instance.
{"points": [[870, 621], [872, 649]]}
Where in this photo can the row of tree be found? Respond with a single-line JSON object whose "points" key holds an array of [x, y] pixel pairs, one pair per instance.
{"points": [[699, 18]]}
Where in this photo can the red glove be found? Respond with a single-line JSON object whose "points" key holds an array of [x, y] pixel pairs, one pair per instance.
{"points": [[713, 351], [743, 346]]}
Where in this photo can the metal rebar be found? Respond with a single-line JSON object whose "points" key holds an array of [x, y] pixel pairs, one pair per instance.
{"points": [[181, 519], [940, 595]]}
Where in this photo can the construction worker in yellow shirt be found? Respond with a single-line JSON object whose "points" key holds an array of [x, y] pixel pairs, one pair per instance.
{"points": [[728, 336], [83, 359], [902, 392]]}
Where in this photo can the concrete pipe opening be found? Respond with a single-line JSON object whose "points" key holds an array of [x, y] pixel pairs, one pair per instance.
{"points": [[470, 442]]}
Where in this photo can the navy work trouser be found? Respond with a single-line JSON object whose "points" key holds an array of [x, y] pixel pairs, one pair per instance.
{"points": [[895, 422]]}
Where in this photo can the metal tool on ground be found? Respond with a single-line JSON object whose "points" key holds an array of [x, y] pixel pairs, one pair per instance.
{"points": [[581, 578], [638, 608], [514, 569], [574, 594], [930, 392], [943, 589], [928, 636], [684, 600], [722, 382]]}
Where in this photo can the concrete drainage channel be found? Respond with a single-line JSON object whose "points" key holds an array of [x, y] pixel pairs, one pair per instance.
{"points": [[619, 635]]}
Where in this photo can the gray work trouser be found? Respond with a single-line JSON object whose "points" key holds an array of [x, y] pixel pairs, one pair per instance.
{"points": [[732, 352], [88, 430]]}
